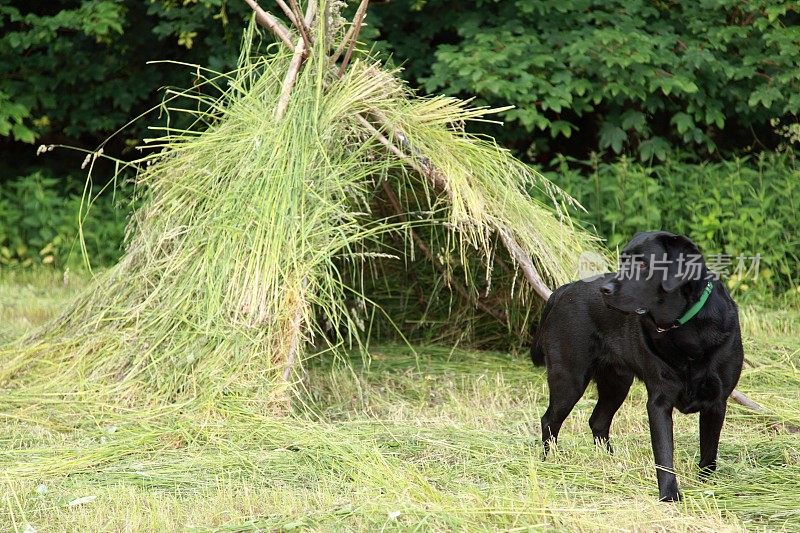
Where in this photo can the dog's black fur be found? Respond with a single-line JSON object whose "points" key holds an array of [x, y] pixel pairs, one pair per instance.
{"points": [[607, 330]]}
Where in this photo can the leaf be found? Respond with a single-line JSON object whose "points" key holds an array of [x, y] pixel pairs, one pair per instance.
{"points": [[765, 95], [656, 147], [682, 122], [633, 120], [23, 134], [613, 136], [561, 127]]}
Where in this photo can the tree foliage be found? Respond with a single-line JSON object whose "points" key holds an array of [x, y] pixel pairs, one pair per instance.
{"points": [[76, 68], [638, 76], [641, 77]]}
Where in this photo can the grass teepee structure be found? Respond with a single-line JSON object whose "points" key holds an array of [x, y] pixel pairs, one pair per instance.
{"points": [[305, 173]]}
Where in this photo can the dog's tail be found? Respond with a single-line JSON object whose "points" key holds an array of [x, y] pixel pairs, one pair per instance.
{"points": [[537, 354]]}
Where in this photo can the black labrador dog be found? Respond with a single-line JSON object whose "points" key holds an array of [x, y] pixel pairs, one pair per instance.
{"points": [[662, 318]]}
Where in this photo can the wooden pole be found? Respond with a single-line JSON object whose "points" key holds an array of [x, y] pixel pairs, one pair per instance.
{"points": [[294, 65], [288, 12], [302, 26], [348, 38], [357, 23], [269, 22]]}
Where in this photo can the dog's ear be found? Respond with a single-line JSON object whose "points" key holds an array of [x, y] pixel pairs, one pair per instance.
{"points": [[685, 261]]}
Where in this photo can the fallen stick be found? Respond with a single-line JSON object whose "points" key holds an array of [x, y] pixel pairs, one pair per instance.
{"points": [[741, 399]]}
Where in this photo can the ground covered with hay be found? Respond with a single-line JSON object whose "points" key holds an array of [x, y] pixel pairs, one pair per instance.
{"points": [[426, 438]]}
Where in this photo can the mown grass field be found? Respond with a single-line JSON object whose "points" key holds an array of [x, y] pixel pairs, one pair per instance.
{"points": [[427, 439]]}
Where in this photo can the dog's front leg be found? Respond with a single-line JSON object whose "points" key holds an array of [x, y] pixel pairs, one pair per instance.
{"points": [[659, 414], [711, 421]]}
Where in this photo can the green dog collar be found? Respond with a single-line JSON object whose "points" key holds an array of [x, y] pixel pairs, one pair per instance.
{"points": [[698, 305]]}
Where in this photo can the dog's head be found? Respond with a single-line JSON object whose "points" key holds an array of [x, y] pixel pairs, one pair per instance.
{"points": [[655, 269]]}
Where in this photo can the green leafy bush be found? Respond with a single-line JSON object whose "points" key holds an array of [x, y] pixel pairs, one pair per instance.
{"points": [[637, 77], [625, 76], [39, 224], [744, 206], [79, 67]]}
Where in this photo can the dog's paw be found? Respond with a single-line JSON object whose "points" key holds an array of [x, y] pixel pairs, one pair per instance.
{"points": [[706, 470], [668, 491], [670, 496]]}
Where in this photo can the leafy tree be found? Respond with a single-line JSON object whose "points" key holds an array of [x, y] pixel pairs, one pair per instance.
{"points": [[642, 77], [639, 76], [73, 70]]}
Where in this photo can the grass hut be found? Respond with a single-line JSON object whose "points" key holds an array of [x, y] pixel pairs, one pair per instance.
{"points": [[313, 201]]}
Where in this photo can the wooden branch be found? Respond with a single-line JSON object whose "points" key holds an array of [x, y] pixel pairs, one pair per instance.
{"points": [[302, 26], [289, 13], [423, 246], [740, 398], [294, 66], [524, 260], [268, 21], [339, 49], [358, 21], [294, 343], [348, 38]]}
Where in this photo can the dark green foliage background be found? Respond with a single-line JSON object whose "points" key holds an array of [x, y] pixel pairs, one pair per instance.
{"points": [[690, 90], [40, 217], [624, 76], [636, 76]]}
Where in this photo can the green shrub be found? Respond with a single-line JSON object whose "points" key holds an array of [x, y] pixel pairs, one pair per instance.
{"points": [[636, 77], [39, 224], [743, 206]]}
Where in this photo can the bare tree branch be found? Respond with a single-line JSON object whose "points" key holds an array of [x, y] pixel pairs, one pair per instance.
{"points": [[289, 13], [302, 26], [268, 21], [358, 21], [294, 66], [740, 398]]}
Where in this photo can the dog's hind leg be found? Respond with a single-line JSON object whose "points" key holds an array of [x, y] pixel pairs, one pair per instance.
{"points": [[566, 388], [613, 385], [711, 421]]}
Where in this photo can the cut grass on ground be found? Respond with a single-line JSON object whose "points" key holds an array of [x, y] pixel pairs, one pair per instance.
{"points": [[440, 439]]}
